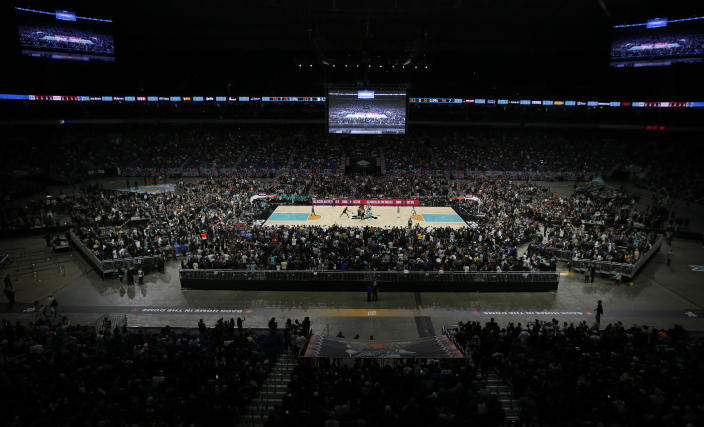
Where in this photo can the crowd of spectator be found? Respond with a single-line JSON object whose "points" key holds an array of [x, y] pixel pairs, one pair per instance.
{"points": [[208, 223], [599, 225], [74, 375], [354, 249], [409, 393], [154, 150], [119, 224], [214, 223], [581, 375], [37, 214], [384, 187], [201, 150]]}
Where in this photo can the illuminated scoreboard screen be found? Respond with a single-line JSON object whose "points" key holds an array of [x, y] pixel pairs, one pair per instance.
{"points": [[367, 111], [62, 34], [658, 42]]}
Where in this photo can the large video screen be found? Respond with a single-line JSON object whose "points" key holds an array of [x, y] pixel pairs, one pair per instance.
{"points": [[367, 111], [62, 34], [658, 42]]}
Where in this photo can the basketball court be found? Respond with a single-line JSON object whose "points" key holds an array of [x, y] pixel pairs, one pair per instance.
{"points": [[382, 216]]}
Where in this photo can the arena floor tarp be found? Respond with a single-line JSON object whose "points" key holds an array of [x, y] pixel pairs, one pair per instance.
{"points": [[437, 347]]}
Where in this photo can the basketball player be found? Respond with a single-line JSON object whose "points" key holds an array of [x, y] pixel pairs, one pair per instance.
{"points": [[360, 212], [369, 211], [345, 212], [312, 210], [413, 212]]}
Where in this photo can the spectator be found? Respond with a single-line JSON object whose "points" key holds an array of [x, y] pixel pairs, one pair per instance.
{"points": [[599, 312], [9, 292]]}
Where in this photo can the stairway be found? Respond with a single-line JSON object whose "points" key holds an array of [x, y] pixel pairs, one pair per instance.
{"points": [[271, 392], [503, 392]]}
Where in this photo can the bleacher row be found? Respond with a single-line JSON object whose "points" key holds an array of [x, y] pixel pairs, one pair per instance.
{"points": [[207, 150], [555, 374], [213, 224]]}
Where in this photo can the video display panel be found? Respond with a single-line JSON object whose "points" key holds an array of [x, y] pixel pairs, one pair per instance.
{"points": [[62, 34], [658, 42], [367, 111]]}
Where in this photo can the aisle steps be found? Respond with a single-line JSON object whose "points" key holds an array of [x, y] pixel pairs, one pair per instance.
{"points": [[503, 392], [270, 394]]}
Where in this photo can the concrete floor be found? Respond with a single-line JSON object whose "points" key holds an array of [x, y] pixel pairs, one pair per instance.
{"points": [[659, 296]]}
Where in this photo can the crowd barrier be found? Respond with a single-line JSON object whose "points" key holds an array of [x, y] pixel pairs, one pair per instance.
{"points": [[406, 281], [108, 268], [607, 267]]}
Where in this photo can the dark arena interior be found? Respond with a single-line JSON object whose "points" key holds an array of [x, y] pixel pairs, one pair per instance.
{"points": [[378, 213]]}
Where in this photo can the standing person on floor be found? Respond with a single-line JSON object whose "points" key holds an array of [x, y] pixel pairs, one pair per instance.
{"points": [[9, 292], [375, 291], [592, 272], [240, 322], [586, 274], [54, 307], [599, 312], [369, 292]]}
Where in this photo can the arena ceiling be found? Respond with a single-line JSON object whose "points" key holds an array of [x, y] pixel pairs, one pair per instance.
{"points": [[492, 46]]}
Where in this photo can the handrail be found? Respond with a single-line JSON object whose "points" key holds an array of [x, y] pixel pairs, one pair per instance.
{"points": [[608, 267], [109, 265], [368, 276]]}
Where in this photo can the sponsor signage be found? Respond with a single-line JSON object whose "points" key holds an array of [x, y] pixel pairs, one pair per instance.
{"points": [[371, 202]]}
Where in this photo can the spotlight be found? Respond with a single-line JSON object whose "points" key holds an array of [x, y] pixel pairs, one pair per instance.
{"points": [[381, 66], [333, 66], [426, 67], [300, 65], [345, 65], [357, 65], [370, 65], [416, 67], [311, 66]]}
